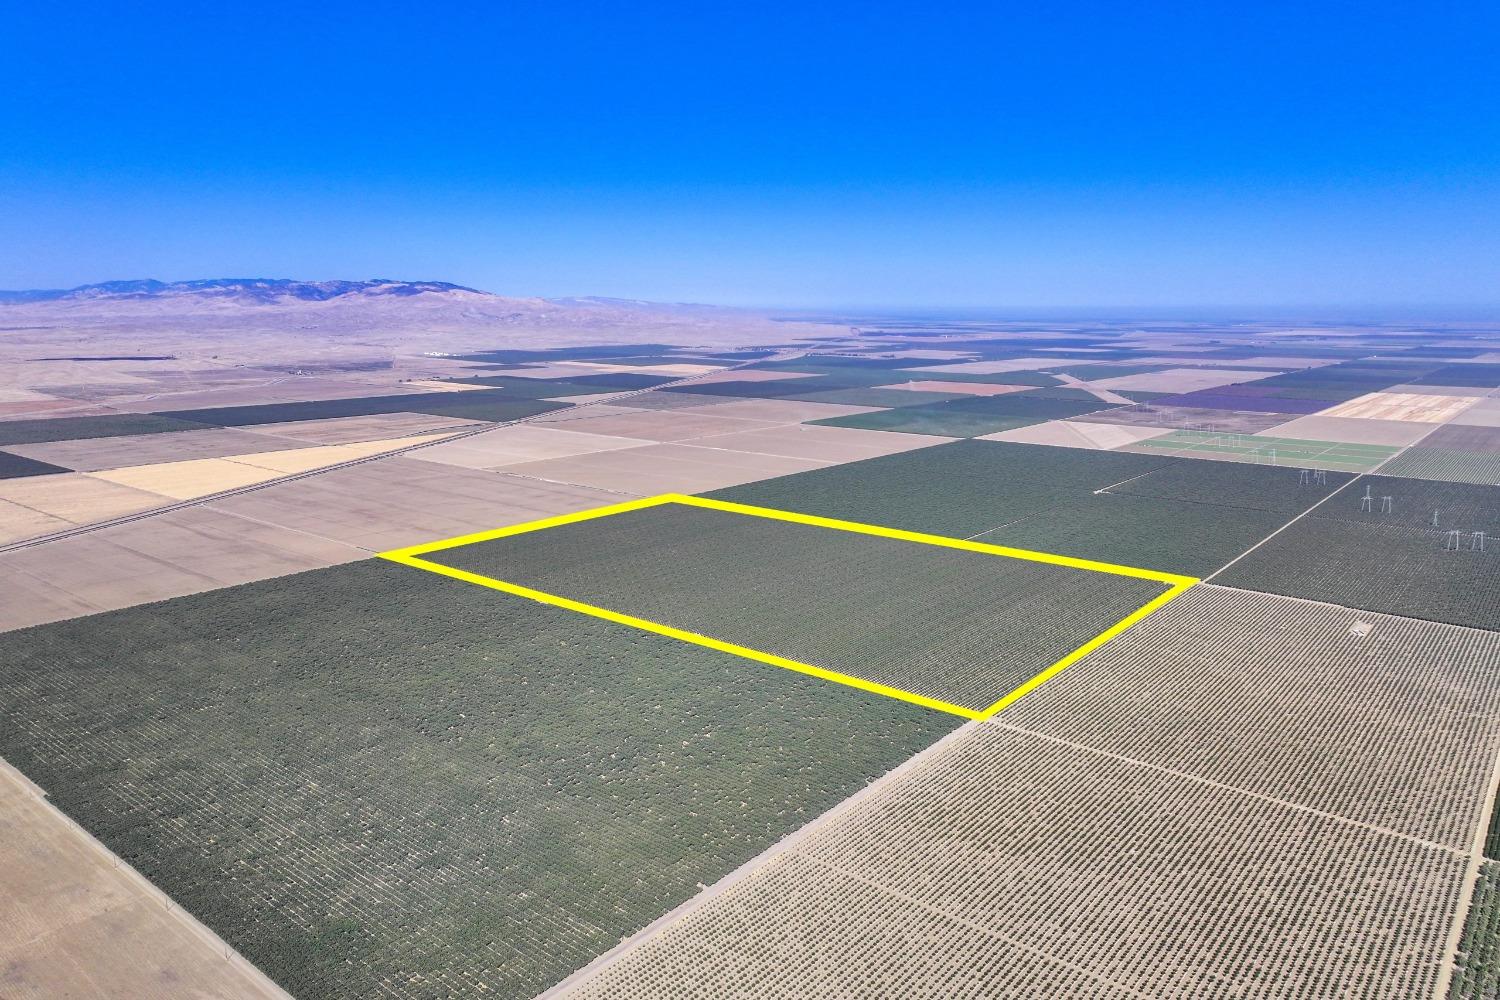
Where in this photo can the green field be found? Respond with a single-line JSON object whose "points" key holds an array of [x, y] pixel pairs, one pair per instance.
{"points": [[958, 489], [81, 428], [374, 781], [962, 627], [1391, 568]]}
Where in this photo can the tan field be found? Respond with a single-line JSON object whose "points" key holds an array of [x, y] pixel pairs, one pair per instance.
{"points": [[664, 425], [663, 468], [196, 477], [170, 554], [347, 430], [76, 497], [1351, 430], [1070, 434], [17, 522], [400, 501], [67, 901], [824, 444], [306, 459], [993, 367], [1418, 408], [963, 388], [521, 443], [95, 454], [203, 477], [786, 411], [1182, 379], [751, 375]]}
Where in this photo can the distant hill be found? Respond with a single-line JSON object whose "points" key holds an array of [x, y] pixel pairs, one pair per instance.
{"points": [[266, 290]]}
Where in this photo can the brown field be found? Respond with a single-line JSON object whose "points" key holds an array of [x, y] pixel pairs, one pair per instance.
{"points": [[1485, 413], [752, 375], [168, 555], [347, 430], [197, 477], [1425, 408], [17, 522], [962, 388], [307, 459], [663, 468], [824, 444], [521, 443], [664, 425], [98, 454], [1182, 379], [786, 411], [993, 367], [399, 501], [67, 903], [1072, 434], [1351, 430], [76, 497]]}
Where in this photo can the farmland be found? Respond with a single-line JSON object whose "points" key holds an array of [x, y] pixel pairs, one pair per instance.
{"points": [[373, 779], [464, 822], [961, 627], [1377, 567]]}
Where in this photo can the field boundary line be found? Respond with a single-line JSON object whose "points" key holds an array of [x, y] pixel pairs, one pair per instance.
{"points": [[412, 555], [1465, 902], [788, 844], [185, 917]]}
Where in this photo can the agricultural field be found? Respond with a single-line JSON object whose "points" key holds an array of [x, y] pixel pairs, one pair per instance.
{"points": [[483, 404], [1445, 464], [961, 627], [483, 817], [965, 877], [960, 489], [1388, 568], [14, 466], [971, 416], [1161, 534], [78, 428]]}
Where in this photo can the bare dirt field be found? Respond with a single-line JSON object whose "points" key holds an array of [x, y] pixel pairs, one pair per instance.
{"points": [[1423, 408], [1351, 430], [786, 411], [963, 388], [399, 501], [77, 498], [825, 444], [1075, 434], [168, 555], [663, 468], [522, 443], [1183, 379], [347, 430], [97, 454], [196, 477], [66, 903], [665, 425]]}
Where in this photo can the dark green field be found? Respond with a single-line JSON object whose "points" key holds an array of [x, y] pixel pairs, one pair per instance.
{"points": [[80, 428], [372, 780], [16, 466], [962, 627], [472, 404]]}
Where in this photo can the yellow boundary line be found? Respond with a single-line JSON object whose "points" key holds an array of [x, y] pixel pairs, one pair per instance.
{"points": [[1177, 584]]}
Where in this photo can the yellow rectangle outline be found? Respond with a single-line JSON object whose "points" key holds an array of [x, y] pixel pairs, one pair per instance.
{"points": [[411, 556]]}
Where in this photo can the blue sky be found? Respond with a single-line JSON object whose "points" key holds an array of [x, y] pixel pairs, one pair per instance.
{"points": [[1013, 156]]}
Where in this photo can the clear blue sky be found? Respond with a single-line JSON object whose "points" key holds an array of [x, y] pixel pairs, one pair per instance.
{"points": [[1008, 155]]}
